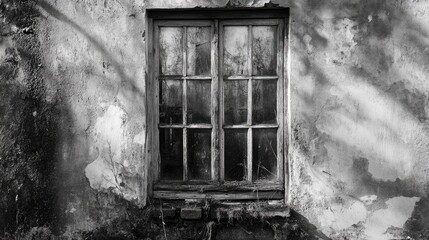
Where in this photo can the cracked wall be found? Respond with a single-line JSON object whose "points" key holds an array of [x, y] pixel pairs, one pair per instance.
{"points": [[358, 104]]}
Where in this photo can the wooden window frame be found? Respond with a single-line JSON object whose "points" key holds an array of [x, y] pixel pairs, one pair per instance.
{"points": [[217, 189]]}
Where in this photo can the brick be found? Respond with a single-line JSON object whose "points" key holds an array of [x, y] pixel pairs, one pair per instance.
{"points": [[191, 213]]}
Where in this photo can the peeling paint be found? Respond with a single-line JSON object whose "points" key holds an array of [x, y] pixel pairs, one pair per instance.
{"points": [[368, 199], [339, 217], [140, 138], [110, 167], [398, 210]]}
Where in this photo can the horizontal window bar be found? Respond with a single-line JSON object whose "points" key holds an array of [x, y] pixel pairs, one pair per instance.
{"points": [[186, 126], [265, 77], [251, 126], [183, 78], [250, 77], [198, 77], [253, 22], [179, 77], [236, 77]]}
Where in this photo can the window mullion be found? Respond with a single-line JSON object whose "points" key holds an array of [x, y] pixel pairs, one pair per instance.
{"points": [[185, 109], [280, 102], [249, 109], [221, 101], [215, 101]]}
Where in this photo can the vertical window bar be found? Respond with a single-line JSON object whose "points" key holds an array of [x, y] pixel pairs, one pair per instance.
{"points": [[249, 107], [215, 101], [185, 109], [280, 108], [221, 115], [155, 137]]}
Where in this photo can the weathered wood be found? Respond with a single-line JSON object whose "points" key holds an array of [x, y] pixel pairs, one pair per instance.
{"points": [[221, 103], [179, 77], [280, 102], [245, 126], [266, 77], [233, 186], [237, 77], [174, 195], [150, 167], [287, 138], [215, 102], [217, 111], [251, 22], [246, 77], [156, 157], [198, 13], [198, 77], [226, 13], [249, 107], [205, 126], [185, 107]]}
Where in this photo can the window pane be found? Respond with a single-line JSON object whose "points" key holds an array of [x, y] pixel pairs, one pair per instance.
{"points": [[170, 50], [264, 101], [198, 51], [235, 155], [235, 52], [199, 99], [264, 59], [170, 142], [170, 106], [235, 101], [264, 163], [199, 154]]}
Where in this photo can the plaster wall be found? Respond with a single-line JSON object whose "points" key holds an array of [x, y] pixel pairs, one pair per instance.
{"points": [[358, 109]]}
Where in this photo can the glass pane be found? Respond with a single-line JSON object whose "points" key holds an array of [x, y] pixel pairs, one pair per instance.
{"points": [[264, 163], [235, 52], [199, 154], [170, 143], [199, 99], [170, 105], [235, 155], [264, 101], [264, 58], [198, 51], [170, 51], [235, 101]]}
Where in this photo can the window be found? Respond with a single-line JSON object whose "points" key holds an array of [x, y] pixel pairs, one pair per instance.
{"points": [[220, 106]]}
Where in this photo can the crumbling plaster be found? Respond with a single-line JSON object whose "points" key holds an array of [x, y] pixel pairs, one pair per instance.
{"points": [[358, 97]]}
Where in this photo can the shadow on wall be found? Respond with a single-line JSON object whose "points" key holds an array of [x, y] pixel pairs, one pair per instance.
{"points": [[359, 115], [125, 80], [30, 119]]}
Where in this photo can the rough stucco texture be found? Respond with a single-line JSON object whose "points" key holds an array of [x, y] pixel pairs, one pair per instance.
{"points": [[359, 116]]}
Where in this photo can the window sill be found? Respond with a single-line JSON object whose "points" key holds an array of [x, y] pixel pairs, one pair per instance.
{"points": [[228, 191], [233, 195]]}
